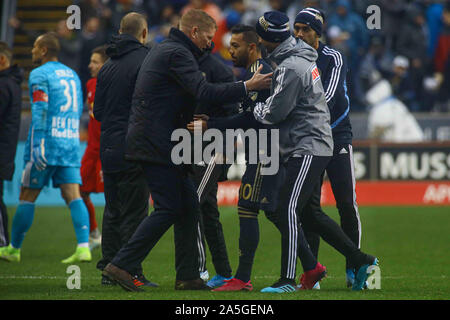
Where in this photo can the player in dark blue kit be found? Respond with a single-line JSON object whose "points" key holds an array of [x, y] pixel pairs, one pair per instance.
{"points": [[253, 195], [308, 27]]}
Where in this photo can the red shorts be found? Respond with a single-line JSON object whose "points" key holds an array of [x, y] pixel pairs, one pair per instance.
{"points": [[91, 174]]}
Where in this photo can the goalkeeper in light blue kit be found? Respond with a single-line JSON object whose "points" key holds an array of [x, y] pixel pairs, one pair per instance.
{"points": [[52, 148]]}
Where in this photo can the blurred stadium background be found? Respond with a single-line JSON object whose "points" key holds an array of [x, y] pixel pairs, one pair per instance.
{"points": [[399, 80]]}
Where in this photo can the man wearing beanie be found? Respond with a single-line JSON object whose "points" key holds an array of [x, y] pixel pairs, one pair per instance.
{"points": [[333, 70], [298, 108]]}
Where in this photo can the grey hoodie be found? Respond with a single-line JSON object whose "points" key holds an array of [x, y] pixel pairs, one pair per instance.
{"points": [[297, 105]]}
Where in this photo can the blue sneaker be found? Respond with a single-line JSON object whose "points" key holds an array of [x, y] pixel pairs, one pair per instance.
{"points": [[217, 281], [282, 286], [361, 275], [350, 274]]}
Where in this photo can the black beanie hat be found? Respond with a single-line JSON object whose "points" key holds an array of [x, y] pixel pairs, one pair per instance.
{"points": [[273, 26], [311, 17]]}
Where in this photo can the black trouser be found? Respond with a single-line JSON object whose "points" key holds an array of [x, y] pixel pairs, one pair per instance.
{"points": [[206, 178], [176, 203], [300, 202], [127, 197], [4, 235], [341, 174]]}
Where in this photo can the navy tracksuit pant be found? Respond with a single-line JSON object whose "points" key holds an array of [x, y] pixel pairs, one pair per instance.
{"points": [[299, 209], [341, 174], [210, 228]]}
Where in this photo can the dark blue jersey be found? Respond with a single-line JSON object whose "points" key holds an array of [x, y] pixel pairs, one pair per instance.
{"points": [[245, 119], [333, 72], [255, 96]]}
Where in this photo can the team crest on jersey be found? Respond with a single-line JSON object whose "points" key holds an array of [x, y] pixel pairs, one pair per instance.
{"points": [[315, 74]]}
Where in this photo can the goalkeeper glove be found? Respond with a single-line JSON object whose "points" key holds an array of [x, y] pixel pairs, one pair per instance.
{"points": [[38, 154]]}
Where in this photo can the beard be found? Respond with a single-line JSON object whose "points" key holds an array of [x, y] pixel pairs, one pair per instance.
{"points": [[241, 62]]}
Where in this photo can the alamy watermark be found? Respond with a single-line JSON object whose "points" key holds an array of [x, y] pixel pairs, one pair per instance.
{"points": [[374, 20], [374, 279], [262, 147], [74, 20]]}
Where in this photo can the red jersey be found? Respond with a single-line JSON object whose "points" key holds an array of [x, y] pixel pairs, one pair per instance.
{"points": [[93, 145]]}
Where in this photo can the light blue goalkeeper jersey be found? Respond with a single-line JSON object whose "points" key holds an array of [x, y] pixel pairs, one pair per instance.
{"points": [[56, 106]]}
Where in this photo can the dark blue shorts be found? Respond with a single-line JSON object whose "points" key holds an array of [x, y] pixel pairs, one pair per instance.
{"points": [[259, 192]]}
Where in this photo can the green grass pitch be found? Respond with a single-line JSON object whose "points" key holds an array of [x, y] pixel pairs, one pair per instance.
{"points": [[412, 243]]}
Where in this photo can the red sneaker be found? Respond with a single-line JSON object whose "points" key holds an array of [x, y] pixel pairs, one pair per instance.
{"points": [[309, 278], [235, 285]]}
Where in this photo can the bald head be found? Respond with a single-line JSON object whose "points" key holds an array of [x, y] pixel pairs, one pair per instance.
{"points": [[50, 41], [135, 25]]}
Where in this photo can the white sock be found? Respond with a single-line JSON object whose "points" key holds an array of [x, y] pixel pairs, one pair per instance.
{"points": [[83, 245]]}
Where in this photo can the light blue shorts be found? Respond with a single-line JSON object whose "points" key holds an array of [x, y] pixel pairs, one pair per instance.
{"points": [[35, 179]]}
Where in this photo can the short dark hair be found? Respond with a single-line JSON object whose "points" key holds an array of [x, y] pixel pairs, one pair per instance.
{"points": [[133, 23], [101, 50], [249, 34], [199, 18], [50, 41], [6, 51]]}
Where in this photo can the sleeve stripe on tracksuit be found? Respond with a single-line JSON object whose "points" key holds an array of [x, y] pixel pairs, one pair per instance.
{"points": [[262, 108]]}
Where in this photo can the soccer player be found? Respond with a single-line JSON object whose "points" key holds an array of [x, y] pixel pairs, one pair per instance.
{"points": [[52, 148], [245, 53], [297, 107], [308, 27], [91, 167]]}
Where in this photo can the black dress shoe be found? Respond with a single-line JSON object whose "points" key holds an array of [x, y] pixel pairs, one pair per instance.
{"points": [[122, 277], [106, 281]]}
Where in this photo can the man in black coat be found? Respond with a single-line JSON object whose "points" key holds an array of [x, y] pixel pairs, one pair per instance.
{"points": [[207, 175], [10, 107], [126, 192], [167, 87]]}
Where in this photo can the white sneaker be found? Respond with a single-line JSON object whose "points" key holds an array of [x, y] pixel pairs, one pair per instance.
{"points": [[204, 275], [316, 286]]}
